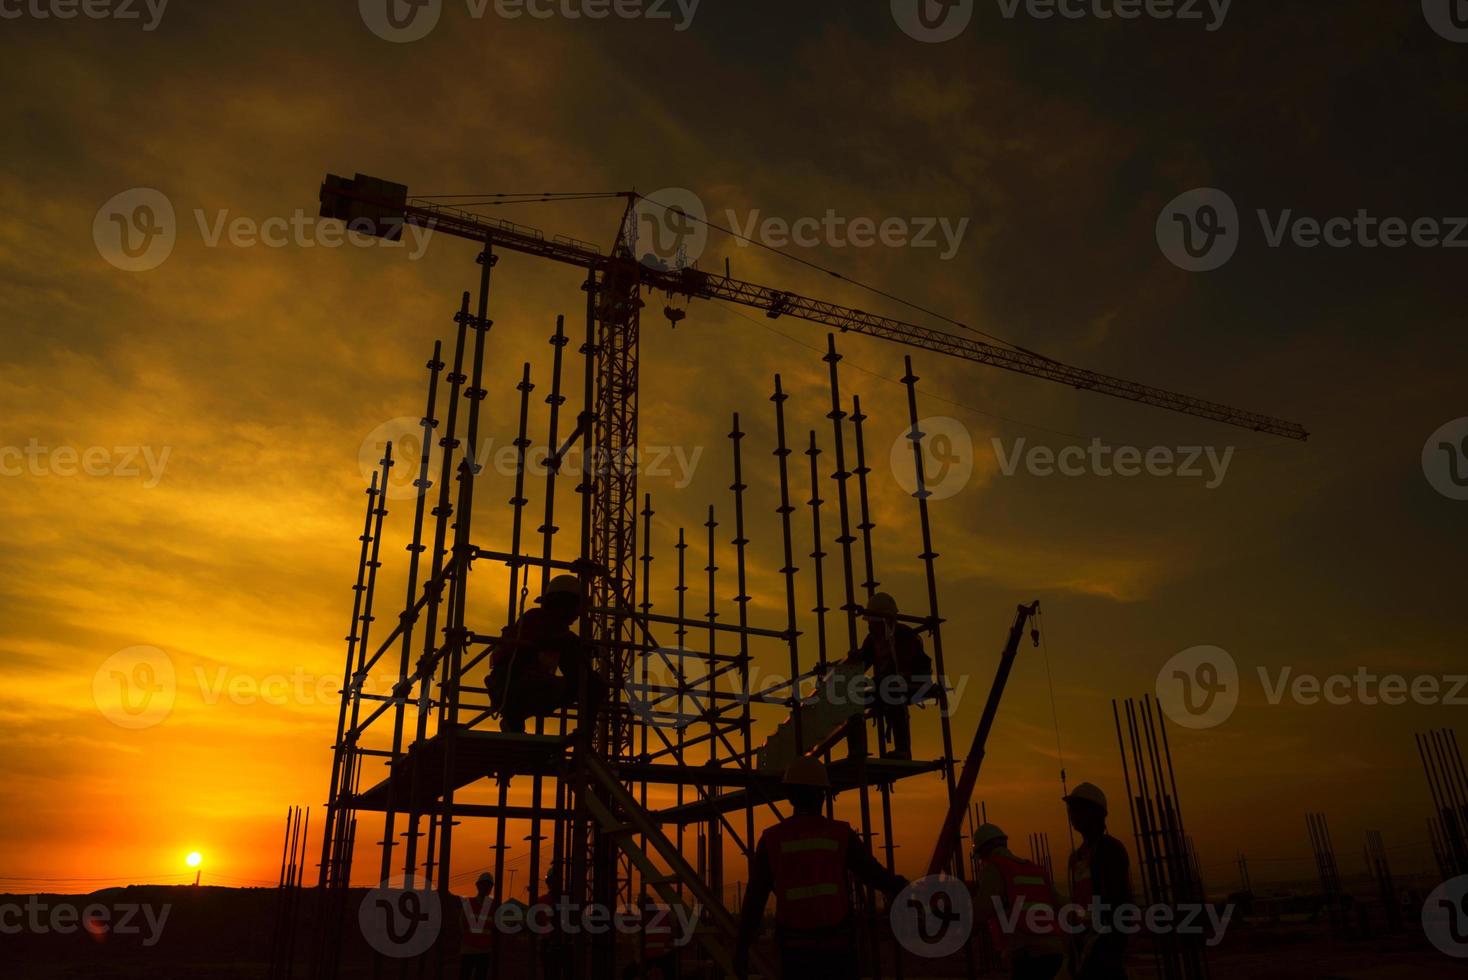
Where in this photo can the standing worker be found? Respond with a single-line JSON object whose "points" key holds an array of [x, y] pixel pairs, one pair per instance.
{"points": [[523, 681], [901, 673], [476, 932], [1009, 888], [1100, 882], [810, 861]]}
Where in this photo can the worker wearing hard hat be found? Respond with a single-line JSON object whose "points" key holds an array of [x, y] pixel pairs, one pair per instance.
{"points": [[477, 931], [901, 674], [1013, 890], [809, 861], [538, 665], [1100, 883]]}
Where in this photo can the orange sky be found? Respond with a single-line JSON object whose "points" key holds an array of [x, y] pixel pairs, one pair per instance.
{"points": [[259, 371]]}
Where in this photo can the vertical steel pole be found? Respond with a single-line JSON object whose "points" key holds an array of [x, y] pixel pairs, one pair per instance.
{"points": [[788, 570]]}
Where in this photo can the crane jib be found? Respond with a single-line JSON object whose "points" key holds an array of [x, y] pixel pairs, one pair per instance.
{"points": [[381, 208]]}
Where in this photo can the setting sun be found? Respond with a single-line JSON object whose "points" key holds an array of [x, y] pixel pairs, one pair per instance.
{"points": [[194, 859]]}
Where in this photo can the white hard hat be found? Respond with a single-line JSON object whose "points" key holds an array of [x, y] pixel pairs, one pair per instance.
{"points": [[805, 771], [1088, 793], [564, 585], [882, 604], [989, 834], [485, 879]]}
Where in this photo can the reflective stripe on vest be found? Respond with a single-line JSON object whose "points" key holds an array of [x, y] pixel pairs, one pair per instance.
{"points": [[1081, 889], [807, 855], [479, 926], [1028, 887]]}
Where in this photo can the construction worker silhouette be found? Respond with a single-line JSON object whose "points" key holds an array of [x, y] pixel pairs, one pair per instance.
{"points": [[477, 931], [1032, 948], [809, 861], [538, 665], [1100, 882], [901, 674]]}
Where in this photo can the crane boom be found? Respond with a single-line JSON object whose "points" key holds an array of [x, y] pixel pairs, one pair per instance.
{"points": [[382, 208]]}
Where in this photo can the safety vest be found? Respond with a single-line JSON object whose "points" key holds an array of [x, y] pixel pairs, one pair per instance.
{"points": [[1026, 887], [1082, 888], [478, 934], [657, 927], [807, 854]]}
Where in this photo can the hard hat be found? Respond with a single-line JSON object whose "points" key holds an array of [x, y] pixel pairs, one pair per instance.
{"points": [[1088, 793], [564, 585], [806, 771], [989, 834], [882, 604], [485, 879]]}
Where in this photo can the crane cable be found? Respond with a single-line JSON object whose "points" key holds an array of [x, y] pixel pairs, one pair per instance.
{"points": [[855, 282], [1054, 713]]}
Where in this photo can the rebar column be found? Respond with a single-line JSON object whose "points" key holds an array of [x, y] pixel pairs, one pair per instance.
{"points": [[403, 689], [434, 595], [928, 558], [788, 570], [458, 639], [736, 436]]}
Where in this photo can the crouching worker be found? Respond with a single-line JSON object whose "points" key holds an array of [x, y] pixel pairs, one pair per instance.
{"points": [[539, 665], [1017, 899], [810, 861]]}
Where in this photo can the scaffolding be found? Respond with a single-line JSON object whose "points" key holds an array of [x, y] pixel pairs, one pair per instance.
{"points": [[418, 746]]}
